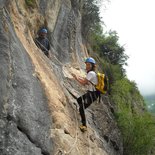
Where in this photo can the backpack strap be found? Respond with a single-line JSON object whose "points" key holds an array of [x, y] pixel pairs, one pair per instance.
{"points": [[96, 89], [93, 83]]}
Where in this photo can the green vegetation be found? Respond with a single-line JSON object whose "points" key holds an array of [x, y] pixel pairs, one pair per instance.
{"points": [[136, 124], [30, 3], [90, 16]]}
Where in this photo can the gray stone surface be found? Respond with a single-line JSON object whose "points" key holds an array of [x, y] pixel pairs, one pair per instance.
{"points": [[66, 37], [25, 120], [24, 114]]}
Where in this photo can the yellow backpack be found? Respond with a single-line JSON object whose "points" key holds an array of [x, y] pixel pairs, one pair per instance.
{"points": [[103, 83]]}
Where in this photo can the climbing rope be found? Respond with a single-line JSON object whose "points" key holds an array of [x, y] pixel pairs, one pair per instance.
{"points": [[76, 137], [36, 41], [89, 151]]}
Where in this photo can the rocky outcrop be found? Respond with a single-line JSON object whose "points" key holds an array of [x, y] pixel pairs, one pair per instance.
{"points": [[23, 103], [37, 114]]}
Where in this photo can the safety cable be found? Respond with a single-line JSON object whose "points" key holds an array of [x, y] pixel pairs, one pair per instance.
{"points": [[35, 40], [76, 137]]}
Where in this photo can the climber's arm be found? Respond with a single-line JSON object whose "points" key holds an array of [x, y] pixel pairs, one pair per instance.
{"points": [[81, 80]]}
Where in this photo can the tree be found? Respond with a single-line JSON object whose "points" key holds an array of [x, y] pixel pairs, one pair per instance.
{"points": [[90, 16], [111, 49]]}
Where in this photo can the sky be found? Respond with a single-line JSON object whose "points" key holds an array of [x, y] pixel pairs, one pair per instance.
{"points": [[134, 22]]}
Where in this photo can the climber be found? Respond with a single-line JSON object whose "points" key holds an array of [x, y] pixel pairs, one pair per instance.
{"points": [[92, 94], [42, 42]]}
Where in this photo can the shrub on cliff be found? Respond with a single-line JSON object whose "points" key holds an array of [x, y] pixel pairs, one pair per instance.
{"points": [[30, 3], [136, 124]]}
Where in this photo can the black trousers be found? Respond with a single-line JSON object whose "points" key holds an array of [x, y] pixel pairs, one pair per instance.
{"points": [[46, 53], [85, 101]]}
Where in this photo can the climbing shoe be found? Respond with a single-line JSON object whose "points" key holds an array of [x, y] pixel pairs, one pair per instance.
{"points": [[83, 128]]}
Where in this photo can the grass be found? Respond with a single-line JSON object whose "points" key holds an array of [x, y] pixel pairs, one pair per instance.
{"points": [[30, 3], [137, 126]]}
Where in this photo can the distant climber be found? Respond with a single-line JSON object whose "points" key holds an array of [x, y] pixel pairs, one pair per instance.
{"points": [[92, 94], [42, 42]]}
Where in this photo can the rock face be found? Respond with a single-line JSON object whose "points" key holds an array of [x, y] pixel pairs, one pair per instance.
{"points": [[37, 114], [23, 104]]}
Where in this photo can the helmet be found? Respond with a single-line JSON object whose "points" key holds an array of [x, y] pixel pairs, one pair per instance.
{"points": [[90, 60], [43, 30]]}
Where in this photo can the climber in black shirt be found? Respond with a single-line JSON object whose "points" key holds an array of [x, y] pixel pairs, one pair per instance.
{"points": [[42, 42]]}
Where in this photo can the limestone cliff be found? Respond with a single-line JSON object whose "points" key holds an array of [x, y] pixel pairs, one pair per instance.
{"points": [[37, 114]]}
